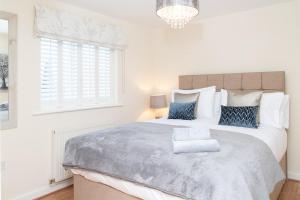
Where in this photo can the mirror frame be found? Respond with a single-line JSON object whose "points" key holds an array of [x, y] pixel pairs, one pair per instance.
{"points": [[12, 68]]}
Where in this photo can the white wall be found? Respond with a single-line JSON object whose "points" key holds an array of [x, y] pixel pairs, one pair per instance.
{"points": [[26, 149], [265, 39]]}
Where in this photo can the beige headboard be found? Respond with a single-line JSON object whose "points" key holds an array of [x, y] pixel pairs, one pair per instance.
{"points": [[236, 81]]}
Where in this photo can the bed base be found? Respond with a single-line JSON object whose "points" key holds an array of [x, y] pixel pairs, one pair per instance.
{"points": [[85, 189]]}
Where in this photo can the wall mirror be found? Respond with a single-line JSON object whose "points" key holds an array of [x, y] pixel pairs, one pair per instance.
{"points": [[8, 64]]}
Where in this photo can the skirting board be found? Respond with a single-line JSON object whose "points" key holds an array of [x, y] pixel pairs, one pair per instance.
{"points": [[294, 175], [44, 190]]}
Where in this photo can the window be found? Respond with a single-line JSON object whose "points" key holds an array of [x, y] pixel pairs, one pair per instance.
{"points": [[77, 75]]}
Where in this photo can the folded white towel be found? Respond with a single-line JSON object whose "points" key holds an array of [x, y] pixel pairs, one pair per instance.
{"points": [[183, 134], [195, 146]]}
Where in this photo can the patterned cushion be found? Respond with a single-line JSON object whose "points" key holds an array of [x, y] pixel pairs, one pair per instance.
{"points": [[239, 116], [185, 111]]}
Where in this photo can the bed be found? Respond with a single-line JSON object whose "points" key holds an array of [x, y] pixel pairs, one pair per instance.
{"points": [[90, 184]]}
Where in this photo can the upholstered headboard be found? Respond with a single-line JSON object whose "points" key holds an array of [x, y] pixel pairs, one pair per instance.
{"points": [[237, 81]]}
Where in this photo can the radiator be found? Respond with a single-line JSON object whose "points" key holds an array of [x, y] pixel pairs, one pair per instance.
{"points": [[59, 139]]}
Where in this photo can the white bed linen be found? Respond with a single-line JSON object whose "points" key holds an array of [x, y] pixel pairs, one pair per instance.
{"points": [[275, 138]]}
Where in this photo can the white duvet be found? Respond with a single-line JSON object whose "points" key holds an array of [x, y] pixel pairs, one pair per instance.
{"points": [[275, 138]]}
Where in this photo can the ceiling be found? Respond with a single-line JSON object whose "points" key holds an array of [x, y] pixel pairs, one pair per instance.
{"points": [[3, 26], [143, 11]]}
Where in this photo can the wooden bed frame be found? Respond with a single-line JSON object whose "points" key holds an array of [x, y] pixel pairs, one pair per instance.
{"points": [[85, 189]]}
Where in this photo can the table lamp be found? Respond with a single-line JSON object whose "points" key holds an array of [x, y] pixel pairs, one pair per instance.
{"points": [[156, 102]]}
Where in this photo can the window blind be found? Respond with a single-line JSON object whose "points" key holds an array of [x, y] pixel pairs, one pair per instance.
{"points": [[105, 72], [77, 75], [89, 72], [70, 71], [62, 24], [49, 70]]}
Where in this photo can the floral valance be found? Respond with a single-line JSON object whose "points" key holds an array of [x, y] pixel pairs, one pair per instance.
{"points": [[50, 22]]}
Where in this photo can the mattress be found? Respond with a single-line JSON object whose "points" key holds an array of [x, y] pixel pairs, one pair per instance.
{"points": [[276, 140]]}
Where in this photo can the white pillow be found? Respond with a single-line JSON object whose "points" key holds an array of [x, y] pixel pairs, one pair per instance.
{"points": [[206, 102], [285, 112], [220, 99], [224, 97], [178, 91], [205, 108], [270, 108], [217, 107]]}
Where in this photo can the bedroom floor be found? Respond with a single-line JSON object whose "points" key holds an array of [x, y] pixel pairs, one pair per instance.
{"points": [[291, 191]]}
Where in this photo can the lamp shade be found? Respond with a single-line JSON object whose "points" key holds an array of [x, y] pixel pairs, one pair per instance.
{"points": [[158, 101]]}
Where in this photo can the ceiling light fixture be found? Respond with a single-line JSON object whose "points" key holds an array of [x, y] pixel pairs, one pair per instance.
{"points": [[177, 13]]}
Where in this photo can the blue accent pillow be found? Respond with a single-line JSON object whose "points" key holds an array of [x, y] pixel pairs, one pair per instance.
{"points": [[185, 111], [245, 116]]}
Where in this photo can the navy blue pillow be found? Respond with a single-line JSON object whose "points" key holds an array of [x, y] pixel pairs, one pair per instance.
{"points": [[245, 116], [185, 111]]}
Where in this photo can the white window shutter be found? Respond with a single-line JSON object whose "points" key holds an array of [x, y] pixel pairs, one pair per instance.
{"points": [[88, 73], [76, 75], [49, 71], [105, 72], [70, 71]]}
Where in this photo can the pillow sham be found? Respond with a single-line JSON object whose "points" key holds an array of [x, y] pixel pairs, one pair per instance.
{"points": [[241, 98], [285, 112], [270, 109], [205, 103], [242, 116], [224, 96], [184, 111], [219, 100], [186, 98]]}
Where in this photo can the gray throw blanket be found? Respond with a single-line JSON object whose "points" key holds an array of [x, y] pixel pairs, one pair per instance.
{"points": [[245, 168]]}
